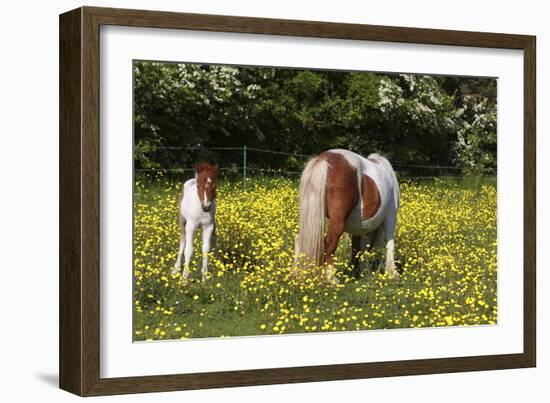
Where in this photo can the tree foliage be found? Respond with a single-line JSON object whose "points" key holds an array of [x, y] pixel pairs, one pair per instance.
{"points": [[413, 119]]}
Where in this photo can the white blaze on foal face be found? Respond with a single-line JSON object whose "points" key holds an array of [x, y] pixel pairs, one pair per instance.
{"points": [[206, 184], [206, 203]]}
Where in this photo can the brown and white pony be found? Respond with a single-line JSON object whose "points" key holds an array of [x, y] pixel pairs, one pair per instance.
{"points": [[359, 196], [197, 208]]}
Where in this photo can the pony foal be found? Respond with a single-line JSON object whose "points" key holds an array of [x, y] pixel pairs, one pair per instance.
{"points": [[197, 208], [359, 196]]}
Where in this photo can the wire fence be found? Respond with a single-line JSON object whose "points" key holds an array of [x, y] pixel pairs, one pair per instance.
{"points": [[246, 168]]}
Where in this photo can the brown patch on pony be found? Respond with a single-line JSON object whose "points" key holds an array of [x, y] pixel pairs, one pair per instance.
{"points": [[370, 196], [204, 172], [342, 195]]}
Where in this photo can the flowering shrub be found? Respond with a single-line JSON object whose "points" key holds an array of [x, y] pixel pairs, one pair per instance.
{"points": [[476, 145], [187, 112]]}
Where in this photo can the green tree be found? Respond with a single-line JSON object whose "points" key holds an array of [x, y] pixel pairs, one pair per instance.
{"points": [[411, 118]]}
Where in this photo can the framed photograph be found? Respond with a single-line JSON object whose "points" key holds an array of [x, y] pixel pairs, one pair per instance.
{"points": [[249, 201]]}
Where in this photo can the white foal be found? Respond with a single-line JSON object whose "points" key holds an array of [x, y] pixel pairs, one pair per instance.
{"points": [[197, 208]]}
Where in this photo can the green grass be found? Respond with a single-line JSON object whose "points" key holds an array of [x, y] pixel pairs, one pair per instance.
{"points": [[446, 247]]}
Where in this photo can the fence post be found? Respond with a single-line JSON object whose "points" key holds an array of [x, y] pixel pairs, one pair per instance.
{"points": [[244, 167]]}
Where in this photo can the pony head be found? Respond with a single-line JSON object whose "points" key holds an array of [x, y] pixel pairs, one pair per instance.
{"points": [[206, 175]]}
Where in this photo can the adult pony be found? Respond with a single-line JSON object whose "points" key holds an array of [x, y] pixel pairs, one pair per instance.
{"points": [[359, 196], [197, 208]]}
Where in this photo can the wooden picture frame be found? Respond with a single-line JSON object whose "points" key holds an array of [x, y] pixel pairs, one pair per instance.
{"points": [[79, 346]]}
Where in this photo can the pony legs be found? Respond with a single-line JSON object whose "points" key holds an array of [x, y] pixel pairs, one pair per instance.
{"points": [[186, 247], [335, 231], [356, 248], [208, 237], [190, 229], [389, 229], [177, 266]]}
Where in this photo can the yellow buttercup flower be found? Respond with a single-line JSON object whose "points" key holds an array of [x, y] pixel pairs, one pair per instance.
{"points": [[445, 247]]}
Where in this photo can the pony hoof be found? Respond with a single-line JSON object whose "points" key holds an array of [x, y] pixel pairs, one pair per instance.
{"points": [[185, 276], [393, 275], [333, 282]]}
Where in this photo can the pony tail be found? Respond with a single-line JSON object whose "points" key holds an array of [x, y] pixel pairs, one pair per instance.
{"points": [[309, 242]]}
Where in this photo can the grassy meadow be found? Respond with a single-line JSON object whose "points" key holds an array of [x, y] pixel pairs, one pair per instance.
{"points": [[445, 248]]}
